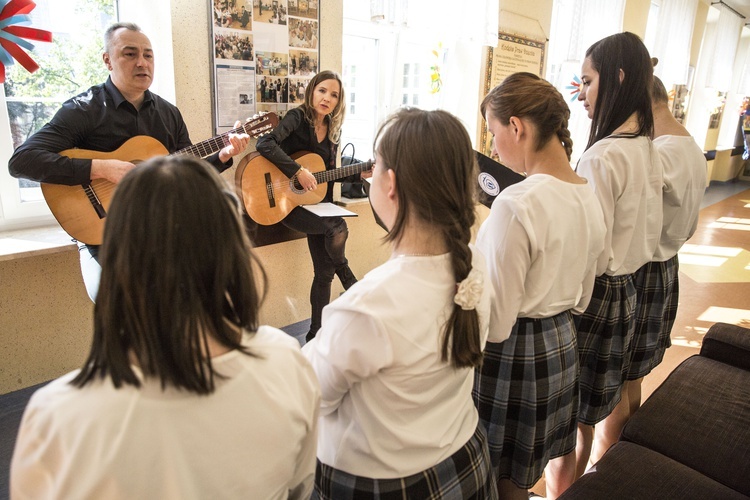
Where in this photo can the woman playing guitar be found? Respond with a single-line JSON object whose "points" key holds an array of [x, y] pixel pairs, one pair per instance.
{"points": [[315, 126]]}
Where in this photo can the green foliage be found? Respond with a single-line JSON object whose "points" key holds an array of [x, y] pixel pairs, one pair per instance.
{"points": [[67, 66]]}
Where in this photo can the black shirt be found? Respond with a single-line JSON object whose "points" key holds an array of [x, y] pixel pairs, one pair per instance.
{"points": [[100, 119], [293, 134]]}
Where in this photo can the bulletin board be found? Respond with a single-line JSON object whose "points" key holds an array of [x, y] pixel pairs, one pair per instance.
{"points": [[511, 55], [264, 53]]}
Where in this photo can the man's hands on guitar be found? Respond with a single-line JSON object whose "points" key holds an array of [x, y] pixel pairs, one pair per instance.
{"points": [[111, 170], [237, 144]]}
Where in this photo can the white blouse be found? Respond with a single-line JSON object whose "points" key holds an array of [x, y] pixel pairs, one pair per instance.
{"points": [[391, 406], [626, 174], [684, 186], [253, 437], [542, 240]]}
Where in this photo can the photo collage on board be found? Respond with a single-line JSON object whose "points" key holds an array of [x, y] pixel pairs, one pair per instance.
{"points": [[265, 52]]}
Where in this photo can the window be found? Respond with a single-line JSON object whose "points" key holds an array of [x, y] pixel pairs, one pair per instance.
{"points": [[360, 78], [68, 65], [651, 26], [390, 64], [576, 24]]}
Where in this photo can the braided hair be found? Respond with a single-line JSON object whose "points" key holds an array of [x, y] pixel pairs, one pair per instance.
{"points": [[528, 96], [434, 162]]}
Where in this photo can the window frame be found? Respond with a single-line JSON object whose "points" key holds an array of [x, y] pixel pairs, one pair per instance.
{"points": [[155, 19]]}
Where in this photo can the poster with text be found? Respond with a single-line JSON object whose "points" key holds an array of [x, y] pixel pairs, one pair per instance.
{"points": [[511, 55], [264, 53]]}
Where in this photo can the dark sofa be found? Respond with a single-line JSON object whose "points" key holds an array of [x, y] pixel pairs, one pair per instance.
{"points": [[691, 438]]}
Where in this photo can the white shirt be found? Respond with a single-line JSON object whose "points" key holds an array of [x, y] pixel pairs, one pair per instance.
{"points": [[541, 240], [391, 407], [254, 437], [626, 174], [684, 186]]}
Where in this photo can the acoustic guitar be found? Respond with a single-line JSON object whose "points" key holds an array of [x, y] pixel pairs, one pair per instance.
{"points": [[268, 195], [82, 210]]}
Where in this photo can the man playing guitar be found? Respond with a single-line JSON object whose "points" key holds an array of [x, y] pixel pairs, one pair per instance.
{"points": [[102, 119]]}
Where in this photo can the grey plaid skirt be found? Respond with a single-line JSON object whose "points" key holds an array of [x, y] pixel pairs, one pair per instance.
{"points": [[464, 475], [526, 392], [657, 292], [604, 332]]}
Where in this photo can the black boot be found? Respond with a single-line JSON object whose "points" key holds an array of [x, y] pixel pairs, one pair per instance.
{"points": [[310, 335], [346, 276]]}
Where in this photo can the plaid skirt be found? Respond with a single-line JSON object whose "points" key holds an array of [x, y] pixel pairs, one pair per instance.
{"points": [[657, 290], [604, 332], [465, 474], [526, 392]]}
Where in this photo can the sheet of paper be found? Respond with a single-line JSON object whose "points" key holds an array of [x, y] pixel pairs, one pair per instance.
{"points": [[329, 210]]}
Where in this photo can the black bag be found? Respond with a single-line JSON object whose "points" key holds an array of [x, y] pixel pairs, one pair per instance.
{"points": [[352, 189]]}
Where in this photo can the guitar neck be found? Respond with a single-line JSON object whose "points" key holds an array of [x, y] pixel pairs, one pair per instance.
{"points": [[340, 173], [204, 148], [215, 144]]}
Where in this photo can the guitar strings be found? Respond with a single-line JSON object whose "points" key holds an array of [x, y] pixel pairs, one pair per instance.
{"points": [[338, 175]]}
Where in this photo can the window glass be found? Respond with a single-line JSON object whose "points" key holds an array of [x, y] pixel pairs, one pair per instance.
{"points": [[360, 78], [68, 65]]}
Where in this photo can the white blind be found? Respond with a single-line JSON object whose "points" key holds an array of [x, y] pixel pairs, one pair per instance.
{"points": [[722, 50], [674, 33]]}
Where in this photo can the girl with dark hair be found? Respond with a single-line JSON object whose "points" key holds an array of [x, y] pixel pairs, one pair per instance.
{"points": [[542, 240], [624, 169], [396, 355], [181, 392], [315, 126]]}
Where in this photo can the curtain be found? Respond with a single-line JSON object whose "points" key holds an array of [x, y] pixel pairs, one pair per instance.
{"points": [[722, 49], [674, 35], [743, 87]]}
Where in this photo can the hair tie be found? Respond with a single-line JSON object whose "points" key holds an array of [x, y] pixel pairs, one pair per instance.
{"points": [[469, 291]]}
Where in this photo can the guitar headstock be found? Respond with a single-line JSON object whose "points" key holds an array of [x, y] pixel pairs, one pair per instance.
{"points": [[260, 123]]}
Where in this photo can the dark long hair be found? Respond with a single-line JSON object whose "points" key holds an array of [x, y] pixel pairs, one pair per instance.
{"points": [[176, 268], [526, 95], [432, 157], [616, 101]]}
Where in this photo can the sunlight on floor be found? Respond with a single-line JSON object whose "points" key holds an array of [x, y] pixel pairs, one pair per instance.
{"points": [[726, 315], [713, 264], [731, 223], [692, 337], [710, 250]]}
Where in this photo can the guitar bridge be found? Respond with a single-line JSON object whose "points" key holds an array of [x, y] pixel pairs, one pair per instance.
{"points": [[94, 200], [269, 190]]}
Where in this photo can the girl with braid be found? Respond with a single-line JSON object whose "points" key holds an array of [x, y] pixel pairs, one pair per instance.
{"points": [[541, 239], [396, 354]]}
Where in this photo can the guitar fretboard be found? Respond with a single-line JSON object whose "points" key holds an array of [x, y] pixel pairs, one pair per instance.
{"points": [[339, 173], [211, 146]]}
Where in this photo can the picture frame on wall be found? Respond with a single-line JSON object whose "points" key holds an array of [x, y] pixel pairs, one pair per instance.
{"points": [[511, 55]]}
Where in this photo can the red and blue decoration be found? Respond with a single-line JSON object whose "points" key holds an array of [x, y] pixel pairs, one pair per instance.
{"points": [[13, 13], [574, 87]]}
